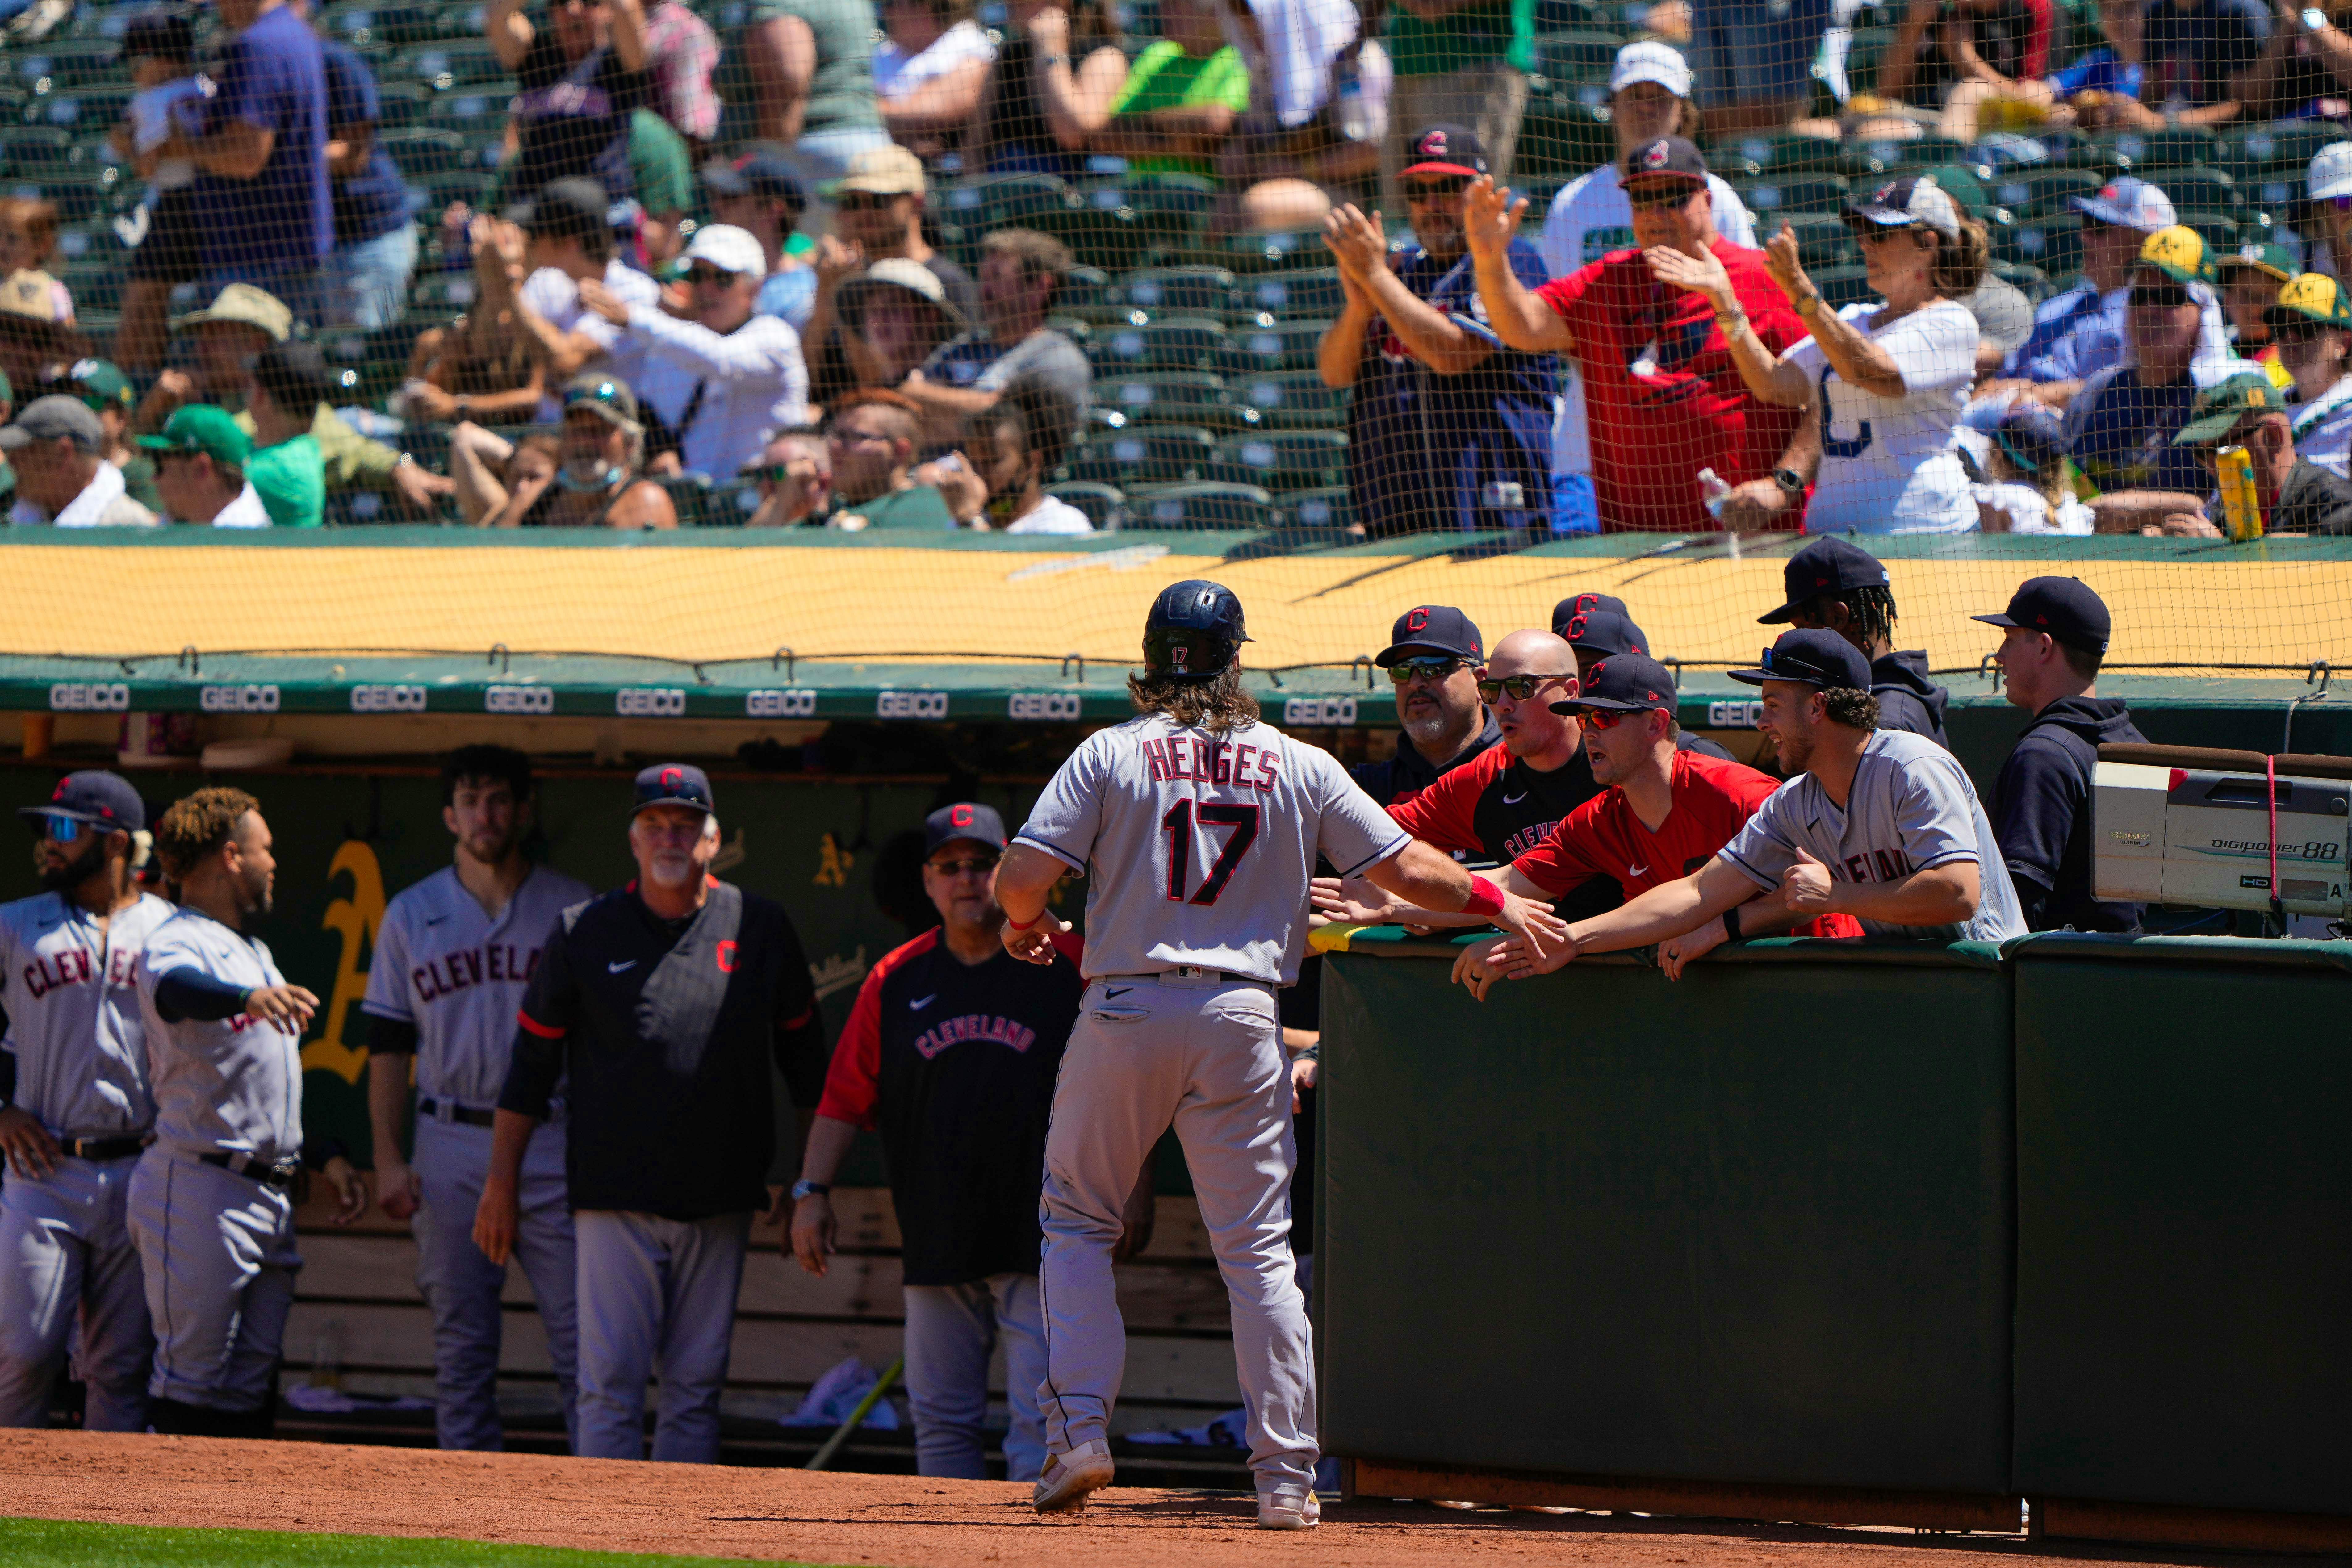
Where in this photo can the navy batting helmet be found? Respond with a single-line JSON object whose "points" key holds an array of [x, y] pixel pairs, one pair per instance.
{"points": [[1193, 630]]}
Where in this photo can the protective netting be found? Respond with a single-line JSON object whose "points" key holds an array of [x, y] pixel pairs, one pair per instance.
{"points": [[1195, 266]]}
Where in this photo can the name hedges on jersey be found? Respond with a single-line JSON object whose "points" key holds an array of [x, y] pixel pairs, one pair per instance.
{"points": [[463, 968], [1004, 1031], [1206, 760]]}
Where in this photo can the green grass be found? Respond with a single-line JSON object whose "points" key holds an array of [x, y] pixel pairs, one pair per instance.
{"points": [[57, 1543]]}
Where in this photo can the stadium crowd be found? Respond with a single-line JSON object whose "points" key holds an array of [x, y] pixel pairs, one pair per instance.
{"points": [[1439, 264]]}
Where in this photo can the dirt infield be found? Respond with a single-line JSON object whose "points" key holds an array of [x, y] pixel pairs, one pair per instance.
{"points": [[882, 1519]]}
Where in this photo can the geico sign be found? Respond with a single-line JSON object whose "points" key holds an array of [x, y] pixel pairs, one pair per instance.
{"points": [[1735, 715], [795, 704], [518, 699], [387, 700], [1042, 705], [650, 703], [239, 700], [1319, 711], [90, 696], [910, 705]]}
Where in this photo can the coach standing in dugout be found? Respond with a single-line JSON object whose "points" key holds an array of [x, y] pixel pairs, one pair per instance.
{"points": [[452, 956], [1433, 659], [2054, 635], [1835, 587], [75, 1107], [664, 1001]]}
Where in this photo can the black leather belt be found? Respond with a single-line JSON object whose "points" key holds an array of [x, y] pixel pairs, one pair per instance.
{"points": [[450, 1110], [280, 1176], [107, 1148]]}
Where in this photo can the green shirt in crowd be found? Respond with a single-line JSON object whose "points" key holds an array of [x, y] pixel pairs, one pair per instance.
{"points": [[1165, 77], [921, 506], [1476, 35], [660, 164], [841, 91], [291, 480]]}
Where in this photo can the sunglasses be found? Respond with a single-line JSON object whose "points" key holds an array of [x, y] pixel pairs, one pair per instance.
{"points": [[978, 864], [57, 829], [2158, 296], [1405, 671], [1520, 686], [862, 201], [1654, 198], [604, 392], [1604, 718], [1788, 667], [2300, 330], [1438, 190], [699, 276]]}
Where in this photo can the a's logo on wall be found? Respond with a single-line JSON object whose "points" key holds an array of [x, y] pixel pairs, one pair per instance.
{"points": [[354, 919]]}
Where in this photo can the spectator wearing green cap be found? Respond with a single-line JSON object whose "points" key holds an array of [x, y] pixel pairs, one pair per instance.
{"points": [[2297, 495], [2250, 279], [2312, 322], [200, 462]]}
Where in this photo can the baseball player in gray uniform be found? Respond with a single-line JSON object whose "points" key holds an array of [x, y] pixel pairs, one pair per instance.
{"points": [[452, 957], [1199, 826], [75, 1110], [211, 1205]]}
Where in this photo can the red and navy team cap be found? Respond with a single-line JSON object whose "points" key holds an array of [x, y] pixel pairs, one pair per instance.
{"points": [[1567, 609], [674, 783], [965, 819], [1668, 155], [1604, 632], [94, 795], [1817, 657], [1446, 150], [1437, 629], [1827, 565], [2065, 607], [1626, 682]]}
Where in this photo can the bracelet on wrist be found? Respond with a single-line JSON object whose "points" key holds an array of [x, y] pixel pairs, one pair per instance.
{"points": [[1485, 899], [1023, 925], [1731, 924]]}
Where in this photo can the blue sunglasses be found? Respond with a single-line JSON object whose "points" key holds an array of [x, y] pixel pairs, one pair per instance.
{"points": [[63, 829]]}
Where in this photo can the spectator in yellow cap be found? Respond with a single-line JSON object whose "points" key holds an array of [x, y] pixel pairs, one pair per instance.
{"points": [[2120, 427], [2313, 324], [2250, 278]]}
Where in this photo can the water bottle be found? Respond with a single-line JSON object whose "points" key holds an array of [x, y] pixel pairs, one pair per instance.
{"points": [[1347, 100], [1714, 492]]}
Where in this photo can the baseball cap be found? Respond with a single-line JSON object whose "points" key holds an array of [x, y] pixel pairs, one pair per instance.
{"points": [[159, 35], [248, 307], [2129, 203], [898, 272], [2312, 297], [1446, 150], [1914, 199], [731, 250], [102, 384], [1666, 156], [1651, 60], [56, 417], [2178, 252], [562, 209], [606, 396], [2065, 607], [2276, 260], [2330, 174], [1432, 628], [1567, 609], [758, 173], [890, 171], [674, 783], [2220, 407], [94, 795], [965, 819], [202, 427], [2033, 435], [1961, 184], [1825, 566], [1604, 632], [1625, 681], [1817, 657]]}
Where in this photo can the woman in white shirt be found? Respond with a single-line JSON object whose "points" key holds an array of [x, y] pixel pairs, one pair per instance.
{"points": [[2312, 324], [928, 71], [1885, 383]]}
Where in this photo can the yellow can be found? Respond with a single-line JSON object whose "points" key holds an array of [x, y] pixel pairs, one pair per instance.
{"points": [[2242, 504]]}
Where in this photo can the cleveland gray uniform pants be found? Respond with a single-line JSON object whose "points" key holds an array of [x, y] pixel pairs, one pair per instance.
{"points": [[463, 1287], [656, 1296], [217, 1250], [65, 1243], [1206, 1055], [952, 1331]]}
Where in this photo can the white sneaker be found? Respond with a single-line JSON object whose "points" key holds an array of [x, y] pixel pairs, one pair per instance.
{"points": [[1063, 1486], [1288, 1511]]}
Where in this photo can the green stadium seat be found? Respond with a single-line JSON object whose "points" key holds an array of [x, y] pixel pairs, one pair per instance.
{"points": [[89, 111], [690, 494], [1822, 239], [1116, 350], [1287, 459], [1013, 201], [1292, 400], [1082, 288], [2031, 281], [2279, 153], [2207, 189], [423, 151], [1576, 56], [1270, 349], [473, 113], [2044, 193], [1272, 252], [450, 65], [471, 186], [1120, 220], [1866, 162], [35, 149], [1202, 506], [1863, 54], [95, 284], [2220, 229], [401, 103], [1310, 293], [1565, 132], [1145, 455], [2176, 147], [1175, 290], [1105, 505], [1844, 285], [1799, 194], [1181, 342], [445, 294], [2055, 244], [1326, 509], [1773, 155], [729, 504], [69, 65]]}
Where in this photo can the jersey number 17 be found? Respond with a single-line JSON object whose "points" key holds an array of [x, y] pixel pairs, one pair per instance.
{"points": [[1178, 825]]}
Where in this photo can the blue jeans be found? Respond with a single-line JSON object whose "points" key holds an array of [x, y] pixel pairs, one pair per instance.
{"points": [[1575, 508], [367, 283], [1750, 51]]}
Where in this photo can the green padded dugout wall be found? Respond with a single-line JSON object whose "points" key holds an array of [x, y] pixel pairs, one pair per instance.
{"points": [[1754, 1227], [2185, 1194]]}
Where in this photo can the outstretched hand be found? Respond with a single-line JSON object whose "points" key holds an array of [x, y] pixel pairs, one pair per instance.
{"points": [[1699, 273], [1782, 258], [1490, 218], [1034, 945], [1534, 923]]}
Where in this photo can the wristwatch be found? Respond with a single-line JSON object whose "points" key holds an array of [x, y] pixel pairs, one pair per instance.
{"points": [[1790, 481], [808, 1189], [463, 404], [1807, 303]]}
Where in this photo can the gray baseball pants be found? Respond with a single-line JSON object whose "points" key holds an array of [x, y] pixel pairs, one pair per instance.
{"points": [[952, 1331], [218, 1251], [1206, 1055], [656, 1296], [65, 1245], [463, 1287]]}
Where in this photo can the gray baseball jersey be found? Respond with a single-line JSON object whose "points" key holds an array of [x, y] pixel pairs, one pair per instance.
{"points": [[232, 1086], [1200, 845], [74, 1025], [443, 966], [1912, 808]]}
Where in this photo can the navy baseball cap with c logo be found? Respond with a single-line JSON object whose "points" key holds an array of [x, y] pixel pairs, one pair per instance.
{"points": [[674, 783], [94, 795], [1828, 566], [1432, 629], [1604, 632], [965, 819], [1575, 605], [1816, 657], [1625, 683]]}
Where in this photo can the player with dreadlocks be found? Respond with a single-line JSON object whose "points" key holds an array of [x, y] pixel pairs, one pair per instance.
{"points": [[1839, 587]]}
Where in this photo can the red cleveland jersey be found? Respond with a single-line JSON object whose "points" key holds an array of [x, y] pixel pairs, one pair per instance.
{"points": [[1603, 838], [1660, 391]]}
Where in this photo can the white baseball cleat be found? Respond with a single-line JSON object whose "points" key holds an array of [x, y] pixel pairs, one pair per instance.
{"points": [[1288, 1511], [1069, 1478]]}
